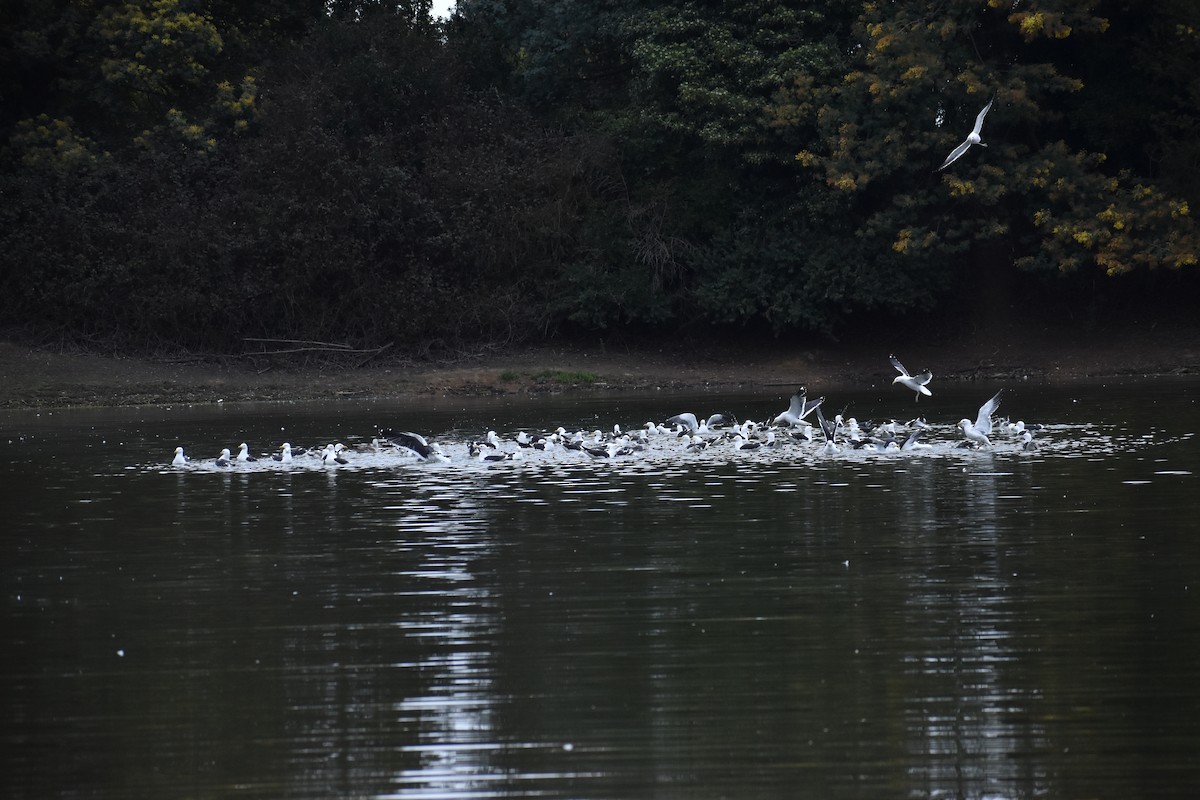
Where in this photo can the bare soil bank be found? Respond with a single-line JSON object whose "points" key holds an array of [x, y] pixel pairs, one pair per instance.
{"points": [[41, 377]]}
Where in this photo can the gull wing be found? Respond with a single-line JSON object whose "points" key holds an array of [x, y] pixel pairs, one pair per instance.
{"points": [[895, 361], [979, 119], [720, 419], [827, 427], [810, 406], [413, 441], [687, 420], [983, 423], [924, 378], [796, 406], [956, 153]]}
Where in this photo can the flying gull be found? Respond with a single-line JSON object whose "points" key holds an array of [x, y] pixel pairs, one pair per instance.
{"points": [[972, 137], [917, 383]]}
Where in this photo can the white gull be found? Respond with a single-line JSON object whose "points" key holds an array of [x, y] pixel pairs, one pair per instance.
{"points": [[979, 430], [917, 383], [798, 409], [972, 137]]}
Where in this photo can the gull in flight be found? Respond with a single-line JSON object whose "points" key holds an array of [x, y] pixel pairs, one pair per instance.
{"points": [[918, 383], [978, 431], [972, 137]]}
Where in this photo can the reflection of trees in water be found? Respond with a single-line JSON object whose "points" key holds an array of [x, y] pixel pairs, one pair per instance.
{"points": [[967, 718], [372, 633]]}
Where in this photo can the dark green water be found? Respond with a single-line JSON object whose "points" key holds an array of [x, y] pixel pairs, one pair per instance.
{"points": [[777, 624]]}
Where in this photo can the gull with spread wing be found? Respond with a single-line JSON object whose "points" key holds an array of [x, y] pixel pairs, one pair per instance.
{"points": [[918, 383], [978, 431], [972, 137]]}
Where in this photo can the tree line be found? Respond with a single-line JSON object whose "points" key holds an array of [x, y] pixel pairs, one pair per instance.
{"points": [[189, 173]]}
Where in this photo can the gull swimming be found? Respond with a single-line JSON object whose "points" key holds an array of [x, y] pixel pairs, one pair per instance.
{"points": [[972, 137], [742, 443], [180, 459], [419, 445], [978, 431], [917, 383], [332, 456], [224, 460], [244, 453], [798, 409], [285, 454]]}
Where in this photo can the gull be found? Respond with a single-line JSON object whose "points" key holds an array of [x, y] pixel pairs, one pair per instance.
{"points": [[798, 409], [830, 430], [180, 459], [244, 453], [421, 446], [285, 454], [224, 460], [917, 383], [805, 434], [913, 441], [688, 422], [716, 421], [742, 443], [602, 451], [878, 445], [972, 137], [332, 456], [979, 430], [1027, 442], [476, 451], [712, 423]]}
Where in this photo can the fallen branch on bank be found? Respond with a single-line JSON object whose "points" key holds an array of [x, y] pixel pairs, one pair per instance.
{"points": [[296, 346]]}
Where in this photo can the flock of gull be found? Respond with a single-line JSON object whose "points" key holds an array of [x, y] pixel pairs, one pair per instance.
{"points": [[718, 430], [803, 424]]}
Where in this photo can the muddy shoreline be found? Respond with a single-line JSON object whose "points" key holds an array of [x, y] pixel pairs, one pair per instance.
{"points": [[41, 377]]}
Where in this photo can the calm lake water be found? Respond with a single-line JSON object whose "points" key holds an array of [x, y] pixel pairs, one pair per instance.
{"points": [[780, 623]]}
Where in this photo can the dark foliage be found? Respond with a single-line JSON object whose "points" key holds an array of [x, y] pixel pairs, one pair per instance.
{"points": [[191, 173]]}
